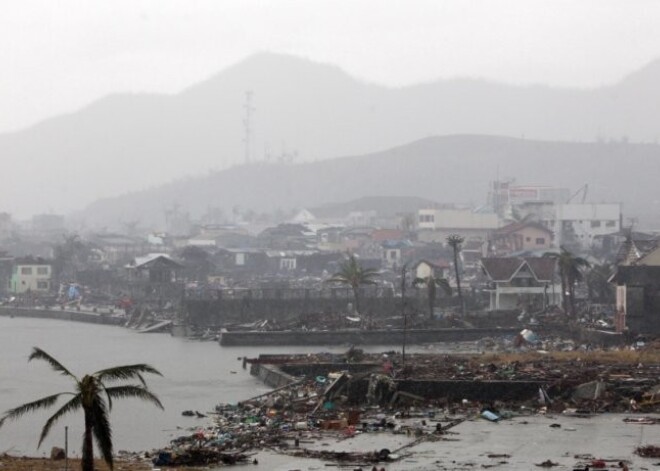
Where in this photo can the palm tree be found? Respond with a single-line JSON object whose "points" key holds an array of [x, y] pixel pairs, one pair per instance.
{"points": [[353, 274], [570, 272], [455, 241], [94, 397], [600, 289], [432, 283]]}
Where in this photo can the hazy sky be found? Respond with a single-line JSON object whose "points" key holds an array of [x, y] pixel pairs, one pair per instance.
{"points": [[57, 56]]}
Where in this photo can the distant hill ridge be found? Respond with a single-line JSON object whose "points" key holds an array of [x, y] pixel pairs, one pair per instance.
{"points": [[127, 142], [450, 169]]}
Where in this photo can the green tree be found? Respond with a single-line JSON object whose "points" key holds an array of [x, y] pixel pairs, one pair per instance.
{"points": [[455, 241], [432, 284], [94, 397], [570, 272], [69, 257], [353, 274]]}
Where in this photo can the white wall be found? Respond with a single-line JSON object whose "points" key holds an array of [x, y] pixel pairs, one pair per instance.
{"points": [[588, 220], [456, 219]]}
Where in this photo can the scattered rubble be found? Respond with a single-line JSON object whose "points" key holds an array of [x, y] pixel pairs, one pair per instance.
{"points": [[648, 451], [339, 397]]}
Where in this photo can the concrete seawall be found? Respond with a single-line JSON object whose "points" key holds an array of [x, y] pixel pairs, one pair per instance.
{"points": [[63, 315], [271, 375], [277, 376], [359, 337]]}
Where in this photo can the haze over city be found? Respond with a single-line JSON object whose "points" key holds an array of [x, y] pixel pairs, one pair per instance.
{"points": [[310, 233], [85, 71]]}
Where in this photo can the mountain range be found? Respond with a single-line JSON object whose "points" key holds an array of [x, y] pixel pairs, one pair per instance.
{"points": [[303, 112], [450, 169]]}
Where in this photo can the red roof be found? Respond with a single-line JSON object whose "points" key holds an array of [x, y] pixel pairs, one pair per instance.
{"points": [[381, 235]]}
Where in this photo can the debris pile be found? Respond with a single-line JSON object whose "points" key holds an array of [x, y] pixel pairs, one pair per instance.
{"points": [[648, 451], [340, 397]]}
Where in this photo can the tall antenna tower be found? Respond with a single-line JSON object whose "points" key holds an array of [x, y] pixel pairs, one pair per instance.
{"points": [[247, 125]]}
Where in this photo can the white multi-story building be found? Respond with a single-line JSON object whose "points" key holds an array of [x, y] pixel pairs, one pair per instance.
{"points": [[437, 224], [579, 223]]}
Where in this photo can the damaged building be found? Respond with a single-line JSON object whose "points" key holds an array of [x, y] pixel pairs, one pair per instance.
{"points": [[637, 280]]}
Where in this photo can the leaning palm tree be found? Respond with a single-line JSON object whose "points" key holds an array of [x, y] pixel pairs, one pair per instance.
{"points": [[570, 272], [455, 241], [432, 283], [93, 395], [353, 274]]}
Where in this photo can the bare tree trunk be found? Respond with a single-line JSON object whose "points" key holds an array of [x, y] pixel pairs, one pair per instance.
{"points": [[356, 298], [431, 295], [564, 294], [87, 462], [458, 281], [571, 296]]}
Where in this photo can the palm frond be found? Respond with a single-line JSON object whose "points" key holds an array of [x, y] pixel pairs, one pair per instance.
{"points": [[19, 411], [136, 391], [102, 430], [105, 389], [73, 404], [443, 283], [39, 354], [337, 278], [418, 282], [126, 372], [455, 240]]}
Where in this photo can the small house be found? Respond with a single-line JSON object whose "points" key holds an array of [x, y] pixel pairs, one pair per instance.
{"points": [[521, 283], [31, 274]]}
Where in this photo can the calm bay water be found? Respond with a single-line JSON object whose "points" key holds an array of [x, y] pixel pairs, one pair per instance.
{"points": [[196, 375]]}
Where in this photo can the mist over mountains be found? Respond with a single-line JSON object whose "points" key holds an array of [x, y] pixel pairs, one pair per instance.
{"points": [[125, 143], [452, 169]]}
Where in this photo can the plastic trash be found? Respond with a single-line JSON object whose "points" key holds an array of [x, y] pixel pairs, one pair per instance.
{"points": [[488, 415]]}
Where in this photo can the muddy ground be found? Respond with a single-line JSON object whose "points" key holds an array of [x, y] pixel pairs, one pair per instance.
{"points": [[16, 463]]}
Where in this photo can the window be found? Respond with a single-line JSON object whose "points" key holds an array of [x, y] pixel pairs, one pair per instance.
{"points": [[288, 264], [610, 223], [26, 270], [540, 240], [42, 285], [528, 239], [595, 223], [42, 270], [426, 218]]}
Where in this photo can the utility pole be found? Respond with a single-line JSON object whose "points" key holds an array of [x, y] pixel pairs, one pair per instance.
{"points": [[66, 448], [247, 125]]}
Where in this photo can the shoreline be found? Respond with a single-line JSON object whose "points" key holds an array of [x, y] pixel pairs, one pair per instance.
{"points": [[521, 442], [9, 462]]}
